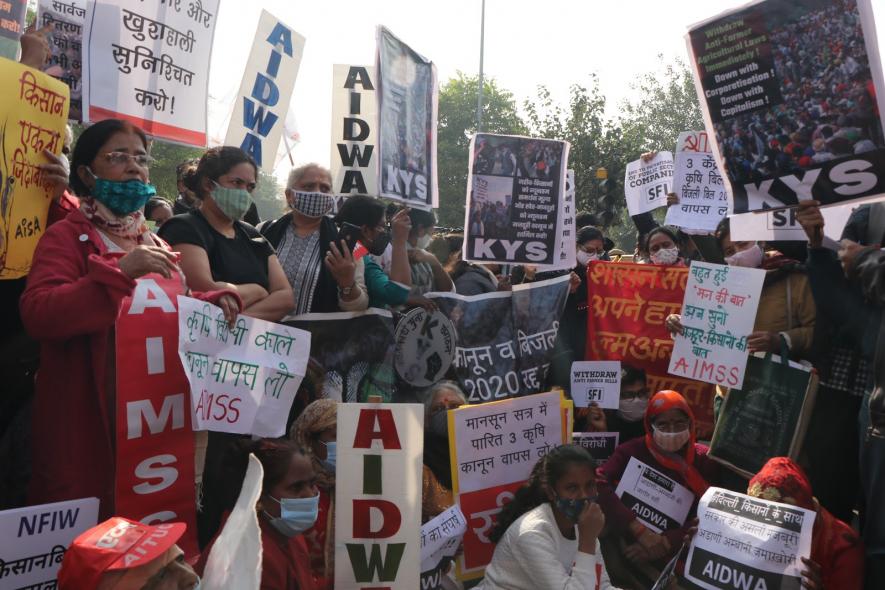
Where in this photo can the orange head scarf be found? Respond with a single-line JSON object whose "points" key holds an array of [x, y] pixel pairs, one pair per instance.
{"points": [[683, 463]]}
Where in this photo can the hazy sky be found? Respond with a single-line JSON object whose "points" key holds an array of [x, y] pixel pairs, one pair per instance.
{"points": [[527, 43]]}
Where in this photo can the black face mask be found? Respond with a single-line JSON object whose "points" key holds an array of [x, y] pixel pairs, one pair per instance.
{"points": [[379, 244]]}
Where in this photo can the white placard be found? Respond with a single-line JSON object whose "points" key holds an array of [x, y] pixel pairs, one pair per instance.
{"points": [[782, 225], [441, 536], [243, 380], [703, 201], [67, 20], [646, 184], [597, 382], [148, 62], [260, 106], [745, 542], [718, 314], [693, 141], [656, 500], [33, 540], [354, 130]]}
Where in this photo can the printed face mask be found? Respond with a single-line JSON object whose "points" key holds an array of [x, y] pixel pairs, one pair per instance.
{"points": [[671, 441], [666, 256], [233, 202], [571, 508], [632, 410], [584, 258], [122, 196], [296, 515], [312, 204], [749, 258]]}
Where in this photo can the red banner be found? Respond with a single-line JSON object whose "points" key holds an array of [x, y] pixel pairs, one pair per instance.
{"points": [[627, 307], [155, 441]]}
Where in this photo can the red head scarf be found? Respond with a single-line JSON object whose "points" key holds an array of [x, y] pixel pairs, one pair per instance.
{"points": [[683, 463], [782, 480]]}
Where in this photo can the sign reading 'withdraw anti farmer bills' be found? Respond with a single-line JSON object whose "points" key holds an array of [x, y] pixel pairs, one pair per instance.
{"points": [[658, 501], [378, 496], [717, 317], [745, 542], [597, 382]]}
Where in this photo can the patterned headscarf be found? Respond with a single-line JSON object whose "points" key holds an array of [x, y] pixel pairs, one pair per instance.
{"points": [[661, 402], [782, 480], [316, 417]]}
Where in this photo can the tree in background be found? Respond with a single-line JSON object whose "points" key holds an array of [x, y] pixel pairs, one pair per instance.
{"points": [[457, 124]]}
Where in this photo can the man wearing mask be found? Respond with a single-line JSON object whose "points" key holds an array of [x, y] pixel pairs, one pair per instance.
{"points": [[627, 419], [321, 269]]}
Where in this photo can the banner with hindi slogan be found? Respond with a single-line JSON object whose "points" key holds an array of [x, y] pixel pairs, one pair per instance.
{"points": [[407, 110], [440, 539], [148, 63], [494, 447], [505, 339], [792, 93], [154, 479], [378, 496], [351, 356], [627, 307], [703, 202], [718, 314], [260, 106], [67, 19], [600, 444], [33, 540], [243, 378], [34, 110], [745, 542], [354, 131], [515, 192]]}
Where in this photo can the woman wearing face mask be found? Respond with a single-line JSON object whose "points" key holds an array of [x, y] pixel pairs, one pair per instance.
{"points": [[218, 250], [315, 431], [437, 479], [668, 446], [83, 269], [662, 245], [627, 420], [427, 272], [363, 218], [547, 536], [320, 269], [288, 506]]}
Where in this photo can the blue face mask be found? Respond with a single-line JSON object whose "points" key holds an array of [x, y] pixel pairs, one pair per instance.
{"points": [[571, 508], [296, 515], [331, 454], [122, 196], [233, 202]]}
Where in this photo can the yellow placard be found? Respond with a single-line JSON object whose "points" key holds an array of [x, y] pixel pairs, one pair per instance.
{"points": [[33, 112]]}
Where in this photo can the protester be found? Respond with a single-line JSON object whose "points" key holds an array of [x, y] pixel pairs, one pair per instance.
{"points": [[83, 268], [668, 446], [447, 249], [316, 432], [546, 537], [664, 247], [218, 250], [627, 420], [123, 554], [365, 216], [427, 272], [436, 496], [158, 211], [319, 267], [186, 201], [287, 507], [837, 555]]}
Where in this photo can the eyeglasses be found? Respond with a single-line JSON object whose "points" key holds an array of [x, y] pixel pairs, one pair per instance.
{"points": [[120, 158], [632, 395]]}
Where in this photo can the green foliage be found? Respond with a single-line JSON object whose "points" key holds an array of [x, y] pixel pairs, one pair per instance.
{"points": [[457, 124]]}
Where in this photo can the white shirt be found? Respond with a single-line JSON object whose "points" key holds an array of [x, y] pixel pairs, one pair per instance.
{"points": [[533, 555]]}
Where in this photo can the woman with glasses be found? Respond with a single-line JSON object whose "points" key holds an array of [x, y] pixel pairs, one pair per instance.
{"points": [[83, 269], [627, 420], [669, 447]]}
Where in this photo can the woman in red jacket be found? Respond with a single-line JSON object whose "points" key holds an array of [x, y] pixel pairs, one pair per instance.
{"points": [[287, 507], [83, 269]]}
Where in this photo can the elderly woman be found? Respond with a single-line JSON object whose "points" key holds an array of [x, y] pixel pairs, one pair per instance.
{"points": [[437, 492], [669, 447], [315, 431], [83, 269]]}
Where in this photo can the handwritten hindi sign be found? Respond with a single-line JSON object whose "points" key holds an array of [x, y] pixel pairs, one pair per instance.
{"points": [[628, 304], [441, 536], [153, 418], [658, 501], [243, 379], [597, 382], [718, 316], [33, 540], [745, 542], [703, 201], [378, 496], [260, 106], [493, 447], [354, 130], [34, 109], [646, 184], [148, 63], [600, 444], [67, 20]]}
